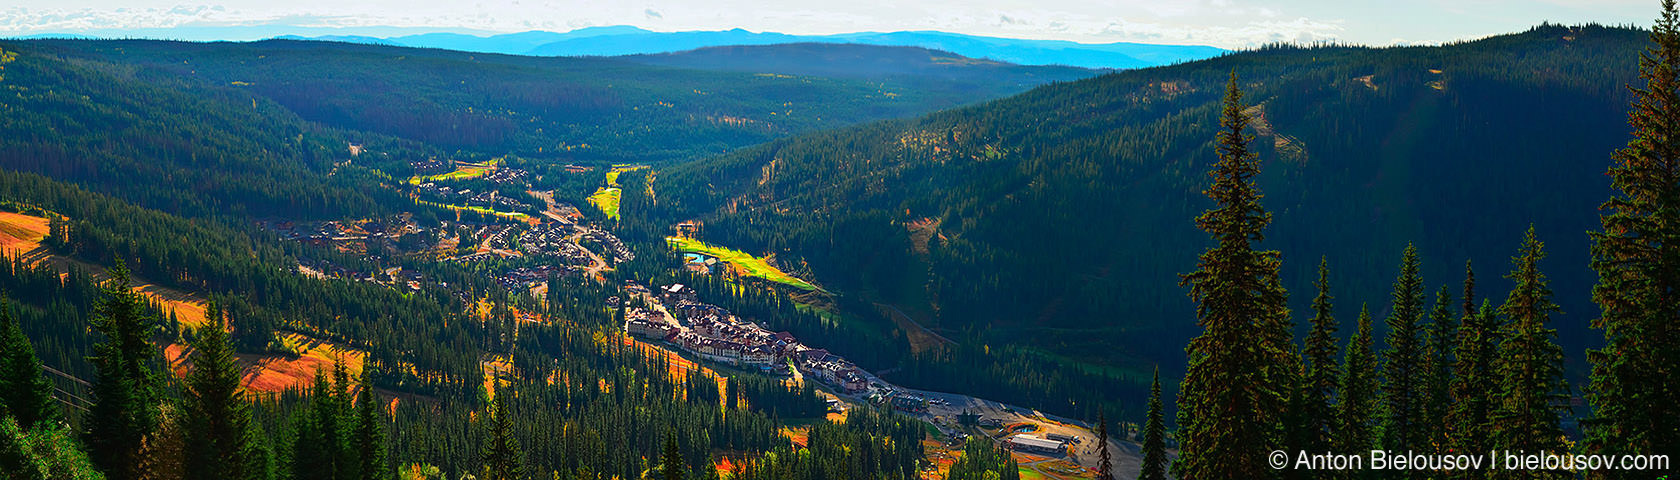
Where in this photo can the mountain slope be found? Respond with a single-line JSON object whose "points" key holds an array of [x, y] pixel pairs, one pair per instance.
{"points": [[1019, 51], [590, 109], [626, 40], [924, 68], [1059, 219]]}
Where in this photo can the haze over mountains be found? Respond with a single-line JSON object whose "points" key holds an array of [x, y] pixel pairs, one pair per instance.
{"points": [[626, 40]]}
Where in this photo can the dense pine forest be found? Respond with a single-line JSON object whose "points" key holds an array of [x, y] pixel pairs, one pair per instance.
{"points": [[1327, 248], [1047, 230]]}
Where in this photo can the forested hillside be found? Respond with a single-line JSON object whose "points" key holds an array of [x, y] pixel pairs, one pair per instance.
{"points": [[567, 108], [926, 69], [1056, 221], [129, 168]]}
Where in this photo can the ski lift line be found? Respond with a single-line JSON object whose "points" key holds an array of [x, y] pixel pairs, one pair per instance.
{"points": [[55, 371]]}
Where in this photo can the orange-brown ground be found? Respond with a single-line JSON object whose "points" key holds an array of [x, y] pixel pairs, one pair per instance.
{"points": [[941, 457], [22, 234], [679, 366], [798, 435], [496, 369], [275, 373]]}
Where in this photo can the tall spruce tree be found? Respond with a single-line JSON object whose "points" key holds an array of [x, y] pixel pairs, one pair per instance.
{"points": [[671, 461], [370, 431], [503, 459], [1154, 436], [1530, 365], [322, 438], [1404, 363], [25, 392], [1105, 464], [163, 454], [1321, 370], [1474, 377], [1231, 398], [217, 415], [1437, 383], [126, 384], [1357, 406], [1637, 256]]}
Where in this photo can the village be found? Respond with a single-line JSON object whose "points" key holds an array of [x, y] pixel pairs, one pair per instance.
{"points": [[559, 243], [553, 247], [675, 315]]}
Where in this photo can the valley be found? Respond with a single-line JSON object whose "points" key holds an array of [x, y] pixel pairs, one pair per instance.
{"points": [[287, 259]]}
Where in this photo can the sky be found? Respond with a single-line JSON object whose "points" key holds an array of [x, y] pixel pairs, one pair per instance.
{"points": [[1220, 23]]}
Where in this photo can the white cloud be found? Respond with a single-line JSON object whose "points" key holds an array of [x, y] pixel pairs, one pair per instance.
{"points": [[1224, 23]]}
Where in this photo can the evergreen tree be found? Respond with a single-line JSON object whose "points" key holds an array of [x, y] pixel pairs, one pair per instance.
{"points": [[1473, 377], [1231, 398], [370, 431], [1637, 256], [1359, 395], [1154, 436], [671, 462], [16, 460], [1530, 366], [217, 414], [503, 459], [163, 454], [321, 444], [1437, 383], [1404, 363], [125, 391], [346, 455], [48, 452], [25, 392], [1321, 371], [1105, 464]]}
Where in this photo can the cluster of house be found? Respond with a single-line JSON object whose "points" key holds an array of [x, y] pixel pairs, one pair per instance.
{"points": [[510, 176], [346, 236], [526, 277], [402, 277], [614, 247], [711, 332], [434, 189], [496, 200], [551, 239], [489, 199], [432, 166], [496, 237]]}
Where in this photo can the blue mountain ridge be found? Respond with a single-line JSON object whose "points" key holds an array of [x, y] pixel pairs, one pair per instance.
{"points": [[627, 40]]}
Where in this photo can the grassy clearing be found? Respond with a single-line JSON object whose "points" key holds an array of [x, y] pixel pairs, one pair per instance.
{"points": [[279, 373], [19, 232], [1027, 473], [606, 199], [508, 215], [462, 172], [745, 264]]}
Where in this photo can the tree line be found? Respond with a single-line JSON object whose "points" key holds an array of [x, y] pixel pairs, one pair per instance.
{"points": [[1453, 375]]}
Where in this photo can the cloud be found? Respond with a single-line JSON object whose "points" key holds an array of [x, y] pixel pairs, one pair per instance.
{"points": [[1222, 23]]}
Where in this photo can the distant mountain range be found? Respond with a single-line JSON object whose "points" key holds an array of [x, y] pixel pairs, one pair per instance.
{"points": [[626, 40]]}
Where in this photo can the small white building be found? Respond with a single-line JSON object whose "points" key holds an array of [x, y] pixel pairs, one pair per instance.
{"points": [[1035, 444]]}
